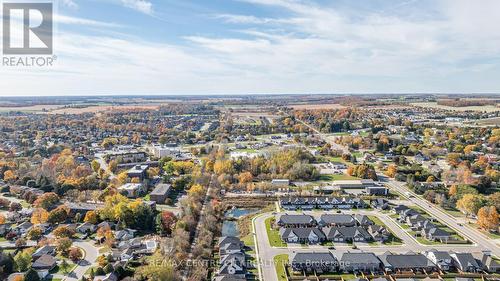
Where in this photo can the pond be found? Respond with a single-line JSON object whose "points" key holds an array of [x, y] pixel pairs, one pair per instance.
{"points": [[230, 226]]}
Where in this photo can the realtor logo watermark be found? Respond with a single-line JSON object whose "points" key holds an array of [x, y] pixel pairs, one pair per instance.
{"points": [[27, 34]]}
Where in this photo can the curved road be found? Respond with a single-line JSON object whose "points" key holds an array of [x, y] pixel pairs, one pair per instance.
{"points": [[91, 254]]}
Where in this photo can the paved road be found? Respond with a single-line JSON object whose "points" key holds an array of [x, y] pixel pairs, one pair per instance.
{"points": [[267, 253], [91, 254], [472, 234]]}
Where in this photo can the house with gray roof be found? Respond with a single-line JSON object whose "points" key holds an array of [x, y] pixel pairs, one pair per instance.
{"points": [[359, 262], [229, 240], [441, 258], [436, 234], [310, 235], [44, 250], [336, 220], [320, 262], [233, 264], [363, 220], [378, 233], [489, 263], [465, 262], [406, 262], [347, 234], [160, 193], [380, 204], [286, 220]]}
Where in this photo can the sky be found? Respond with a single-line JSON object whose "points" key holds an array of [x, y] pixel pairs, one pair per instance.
{"points": [[107, 47]]}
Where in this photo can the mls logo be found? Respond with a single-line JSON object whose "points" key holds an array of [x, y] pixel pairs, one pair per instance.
{"points": [[27, 28]]}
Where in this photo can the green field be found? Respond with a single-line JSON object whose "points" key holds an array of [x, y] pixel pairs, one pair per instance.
{"points": [[334, 177], [273, 235]]}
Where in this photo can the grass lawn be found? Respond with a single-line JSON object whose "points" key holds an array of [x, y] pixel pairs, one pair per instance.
{"points": [[341, 134], [334, 177], [424, 241], [455, 213], [458, 239], [104, 249], [487, 233], [59, 270], [2, 239], [393, 240], [279, 262], [273, 235], [248, 240], [25, 204]]}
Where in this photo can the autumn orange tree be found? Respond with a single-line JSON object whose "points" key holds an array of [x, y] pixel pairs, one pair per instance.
{"points": [[470, 204], [39, 215], [391, 171], [487, 218]]}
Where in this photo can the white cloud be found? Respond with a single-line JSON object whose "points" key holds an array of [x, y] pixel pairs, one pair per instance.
{"points": [[70, 4], [312, 50], [62, 19], [142, 6]]}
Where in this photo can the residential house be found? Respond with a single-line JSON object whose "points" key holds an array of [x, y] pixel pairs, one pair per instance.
{"points": [[229, 245], [324, 203], [377, 190], [310, 235], [5, 228], [441, 258], [436, 234], [86, 228], [399, 209], [132, 190], [160, 193], [44, 250], [406, 262], [298, 203], [323, 262], [336, 220], [378, 233], [347, 234], [233, 264], [359, 262], [125, 234], [23, 228], [81, 208], [286, 220], [44, 264], [363, 220], [138, 171], [465, 262], [380, 204], [489, 263]]}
